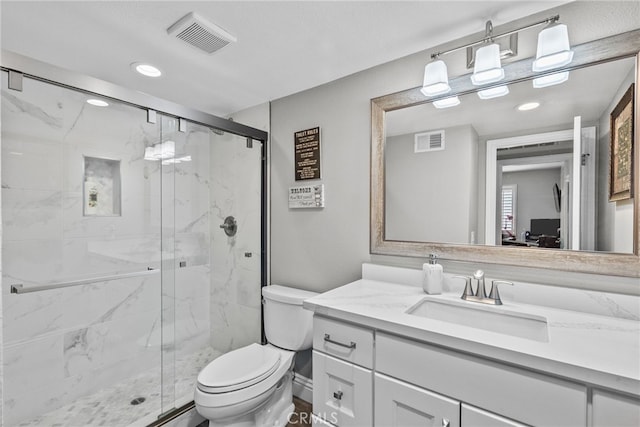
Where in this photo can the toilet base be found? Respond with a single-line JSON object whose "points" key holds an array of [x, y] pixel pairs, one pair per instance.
{"points": [[275, 412]]}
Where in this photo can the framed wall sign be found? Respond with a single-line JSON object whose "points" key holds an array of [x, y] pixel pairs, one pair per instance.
{"points": [[307, 154], [622, 146], [306, 196]]}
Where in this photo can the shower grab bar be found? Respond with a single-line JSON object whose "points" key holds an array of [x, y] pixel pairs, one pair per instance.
{"points": [[19, 288]]}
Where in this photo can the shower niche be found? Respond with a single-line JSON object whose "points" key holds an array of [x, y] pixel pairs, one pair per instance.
{"points": [[102, 187]]}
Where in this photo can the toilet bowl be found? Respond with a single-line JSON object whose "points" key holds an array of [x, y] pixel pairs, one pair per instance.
{"points": [[252, 386]]}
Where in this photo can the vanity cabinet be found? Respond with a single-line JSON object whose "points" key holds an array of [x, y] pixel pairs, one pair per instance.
{"points": [[612, 409], [364, 377], [342, 373], [517, 394]]}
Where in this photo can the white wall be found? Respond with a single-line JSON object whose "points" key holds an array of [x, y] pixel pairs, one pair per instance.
{"points": [[535, 195], [425, 201], [319, 250], [614, 219]]}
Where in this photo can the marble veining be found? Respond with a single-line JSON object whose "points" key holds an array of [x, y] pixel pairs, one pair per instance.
{"points": [[583, 344], [31, 110]]}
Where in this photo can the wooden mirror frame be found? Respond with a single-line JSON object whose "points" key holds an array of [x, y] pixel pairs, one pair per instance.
{"points": [[615, 264]]}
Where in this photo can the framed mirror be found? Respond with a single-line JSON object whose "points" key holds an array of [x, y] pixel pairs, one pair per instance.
{"points": [[485, 182]]}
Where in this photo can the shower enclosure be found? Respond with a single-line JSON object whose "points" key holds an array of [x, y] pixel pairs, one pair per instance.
{"points": [[119, 283]]}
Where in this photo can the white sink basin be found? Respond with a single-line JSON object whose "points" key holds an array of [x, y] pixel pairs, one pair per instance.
{"points": [[488, 318]]}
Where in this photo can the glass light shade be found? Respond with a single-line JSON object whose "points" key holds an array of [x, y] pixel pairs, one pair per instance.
{"points": [[551, 79], [436, 81], [487, 68], [494, 92], [452, 101], [553, 48]]}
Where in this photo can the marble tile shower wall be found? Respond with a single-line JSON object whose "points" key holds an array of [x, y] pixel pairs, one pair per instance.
{"points": [[235, 286], [192, 182], [65, 343]]}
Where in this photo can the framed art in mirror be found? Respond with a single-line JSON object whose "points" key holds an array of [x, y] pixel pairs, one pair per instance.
{"points": [[622, 147]]}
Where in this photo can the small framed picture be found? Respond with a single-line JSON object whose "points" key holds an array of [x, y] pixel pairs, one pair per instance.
{"points": [[621, 150]]}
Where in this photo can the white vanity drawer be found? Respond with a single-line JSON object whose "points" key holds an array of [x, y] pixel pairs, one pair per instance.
{"points": [[343, 340], [475, 417], [400, 404], [342, 392], [528, 397]]}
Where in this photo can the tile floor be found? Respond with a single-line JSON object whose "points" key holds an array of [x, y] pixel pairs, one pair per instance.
{"points": [[111, 407]]}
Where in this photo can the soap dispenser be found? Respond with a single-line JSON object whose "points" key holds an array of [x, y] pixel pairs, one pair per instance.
{"points": [[432, 276]]}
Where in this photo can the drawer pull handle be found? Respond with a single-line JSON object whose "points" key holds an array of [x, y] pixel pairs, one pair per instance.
{"points": [[337, 395], [327, 338], [445, 422]]}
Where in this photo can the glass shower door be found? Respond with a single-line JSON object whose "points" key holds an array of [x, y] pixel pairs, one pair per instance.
{"points": [[236, 170], [81, 229]]}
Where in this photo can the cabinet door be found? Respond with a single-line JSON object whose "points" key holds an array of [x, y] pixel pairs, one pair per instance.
{"points": [[615, 410], [342, 392], [319, 422], [474, 417], [398, 404]]}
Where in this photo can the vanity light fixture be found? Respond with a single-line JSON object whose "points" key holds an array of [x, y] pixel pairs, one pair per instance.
{"points": [[551, 79], [97, 102], [553, 51], [436, 81], [451, 101], [494, 92], [528, 106], [553, 48], [487, 67], [147, 70]]}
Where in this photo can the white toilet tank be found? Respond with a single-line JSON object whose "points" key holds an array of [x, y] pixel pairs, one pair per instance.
{"points": [[286, 324]]}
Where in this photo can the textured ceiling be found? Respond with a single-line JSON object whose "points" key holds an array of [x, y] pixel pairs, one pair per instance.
{"points": [[282, 48]]}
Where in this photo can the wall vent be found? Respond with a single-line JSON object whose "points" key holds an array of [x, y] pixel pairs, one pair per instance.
{"points": [[428, 141], [200, 33]]}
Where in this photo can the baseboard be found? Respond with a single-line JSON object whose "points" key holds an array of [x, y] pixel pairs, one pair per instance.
{"points": [[303, 388]]}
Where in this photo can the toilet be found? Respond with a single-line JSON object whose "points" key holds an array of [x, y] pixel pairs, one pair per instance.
{"points": [[252, 386]]}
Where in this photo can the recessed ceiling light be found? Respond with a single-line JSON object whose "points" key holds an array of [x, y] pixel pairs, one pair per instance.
{"points": [[528, 106], [146, 69], [98, 102]]}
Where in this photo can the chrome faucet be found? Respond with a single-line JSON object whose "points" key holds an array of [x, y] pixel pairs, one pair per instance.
{"points": [[480, 295]]}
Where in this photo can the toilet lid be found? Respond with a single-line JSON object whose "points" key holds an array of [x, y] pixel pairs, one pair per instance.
{"points": [[239, 369]]}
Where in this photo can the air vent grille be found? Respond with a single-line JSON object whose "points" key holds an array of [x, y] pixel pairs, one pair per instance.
{"points": [[428, 141], [200, 33]]}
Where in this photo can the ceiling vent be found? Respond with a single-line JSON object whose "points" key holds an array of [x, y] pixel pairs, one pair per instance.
{"points": [[428, 141], [200, 33]]}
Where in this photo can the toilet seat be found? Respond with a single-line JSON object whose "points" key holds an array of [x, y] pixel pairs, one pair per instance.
{"points": [[239, 369]]}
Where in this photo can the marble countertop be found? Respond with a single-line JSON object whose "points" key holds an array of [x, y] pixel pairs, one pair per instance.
{"points": [[594, 349]]}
